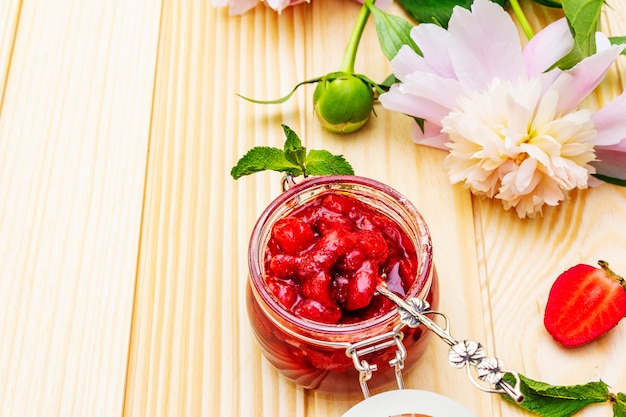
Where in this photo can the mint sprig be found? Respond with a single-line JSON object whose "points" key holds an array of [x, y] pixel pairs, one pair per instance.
{"points": [[548, 400], [293, 159], [619, 404]]}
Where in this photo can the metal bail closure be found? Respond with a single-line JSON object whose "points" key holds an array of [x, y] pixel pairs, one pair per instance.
{"points": [[408, 402], [287, 182], [462, 354], [374, 344]]}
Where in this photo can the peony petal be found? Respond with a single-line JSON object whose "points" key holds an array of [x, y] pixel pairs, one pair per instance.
{"points": [[602, 42], [397, 100], [485, 44], [611, 161], [442, 91], [237, 7], [575, 84], [547, 47], [381, 4], [278, 5], [610, 122], [433, 41], [525, 179], [407, 61], [431, 136]]}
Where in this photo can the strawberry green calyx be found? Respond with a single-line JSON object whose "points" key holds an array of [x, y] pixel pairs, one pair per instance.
{"points": [[605, 265]]}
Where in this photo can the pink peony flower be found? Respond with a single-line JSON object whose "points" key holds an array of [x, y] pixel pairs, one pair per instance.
{"points": [[241, 6], [513, 128]]}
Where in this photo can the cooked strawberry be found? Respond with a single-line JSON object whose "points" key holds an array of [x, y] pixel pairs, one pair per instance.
{"points": [[292, 235], [362, 286], [284, 291], [283, 266], [584, 303], [316, 311], [318, 288]]}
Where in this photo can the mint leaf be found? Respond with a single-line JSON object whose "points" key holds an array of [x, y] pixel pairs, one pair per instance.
{"points": [[436, 11], [559, 401], [292, 159], [294, 151], [583, 17], [263, 158], [393, 32], [619, 405], [320, 162]]}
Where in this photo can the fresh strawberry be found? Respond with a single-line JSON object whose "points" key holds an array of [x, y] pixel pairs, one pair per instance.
{"points": [[584, 303]]}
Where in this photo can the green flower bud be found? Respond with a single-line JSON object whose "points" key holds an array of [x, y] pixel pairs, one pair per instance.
{"points": [[343, 102]]}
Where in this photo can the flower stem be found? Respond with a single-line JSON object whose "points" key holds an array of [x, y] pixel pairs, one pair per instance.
{"points": [[521, 17], [347, 65]]}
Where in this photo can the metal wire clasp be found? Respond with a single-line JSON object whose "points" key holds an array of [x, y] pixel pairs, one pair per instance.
{"points": [[462, 354], [374, 344], [287, 182]]}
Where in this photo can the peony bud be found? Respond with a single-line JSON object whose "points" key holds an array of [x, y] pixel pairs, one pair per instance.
{"points": [[343, 102]]}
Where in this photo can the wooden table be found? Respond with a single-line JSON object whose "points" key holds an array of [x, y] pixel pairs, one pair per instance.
{"points": [[123, 238]]}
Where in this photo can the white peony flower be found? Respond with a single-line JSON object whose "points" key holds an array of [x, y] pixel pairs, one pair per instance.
{"points": [[511, 123]]}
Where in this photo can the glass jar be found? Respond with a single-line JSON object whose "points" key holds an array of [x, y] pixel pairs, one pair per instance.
{"points": [[321, 356]]}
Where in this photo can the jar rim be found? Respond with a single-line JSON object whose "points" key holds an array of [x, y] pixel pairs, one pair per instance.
{"points": [[330, 182]]}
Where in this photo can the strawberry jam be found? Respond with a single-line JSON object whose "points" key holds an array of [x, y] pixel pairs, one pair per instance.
{"points": [[324, 261], [316, 256]]}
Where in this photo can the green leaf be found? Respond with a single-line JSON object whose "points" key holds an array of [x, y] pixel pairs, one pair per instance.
{"points": [[559, 401], [618, 40], [393, 31], [550, 3], [263, 158], [379, 89], [583, 17], [436, 11], [388, 82], [619, 405], [294, 151], [610, 180], [292, 159], [282, 99], [321, 162]]}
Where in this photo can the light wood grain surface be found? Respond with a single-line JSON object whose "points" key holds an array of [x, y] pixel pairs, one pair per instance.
{"points": [[123, 239]]}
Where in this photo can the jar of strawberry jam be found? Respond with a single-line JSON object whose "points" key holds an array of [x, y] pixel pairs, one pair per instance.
{"points": [[316, 257]]}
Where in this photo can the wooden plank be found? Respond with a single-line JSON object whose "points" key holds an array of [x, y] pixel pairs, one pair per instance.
{"points": [[74, 133], [9, 16], [192, 352]]}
